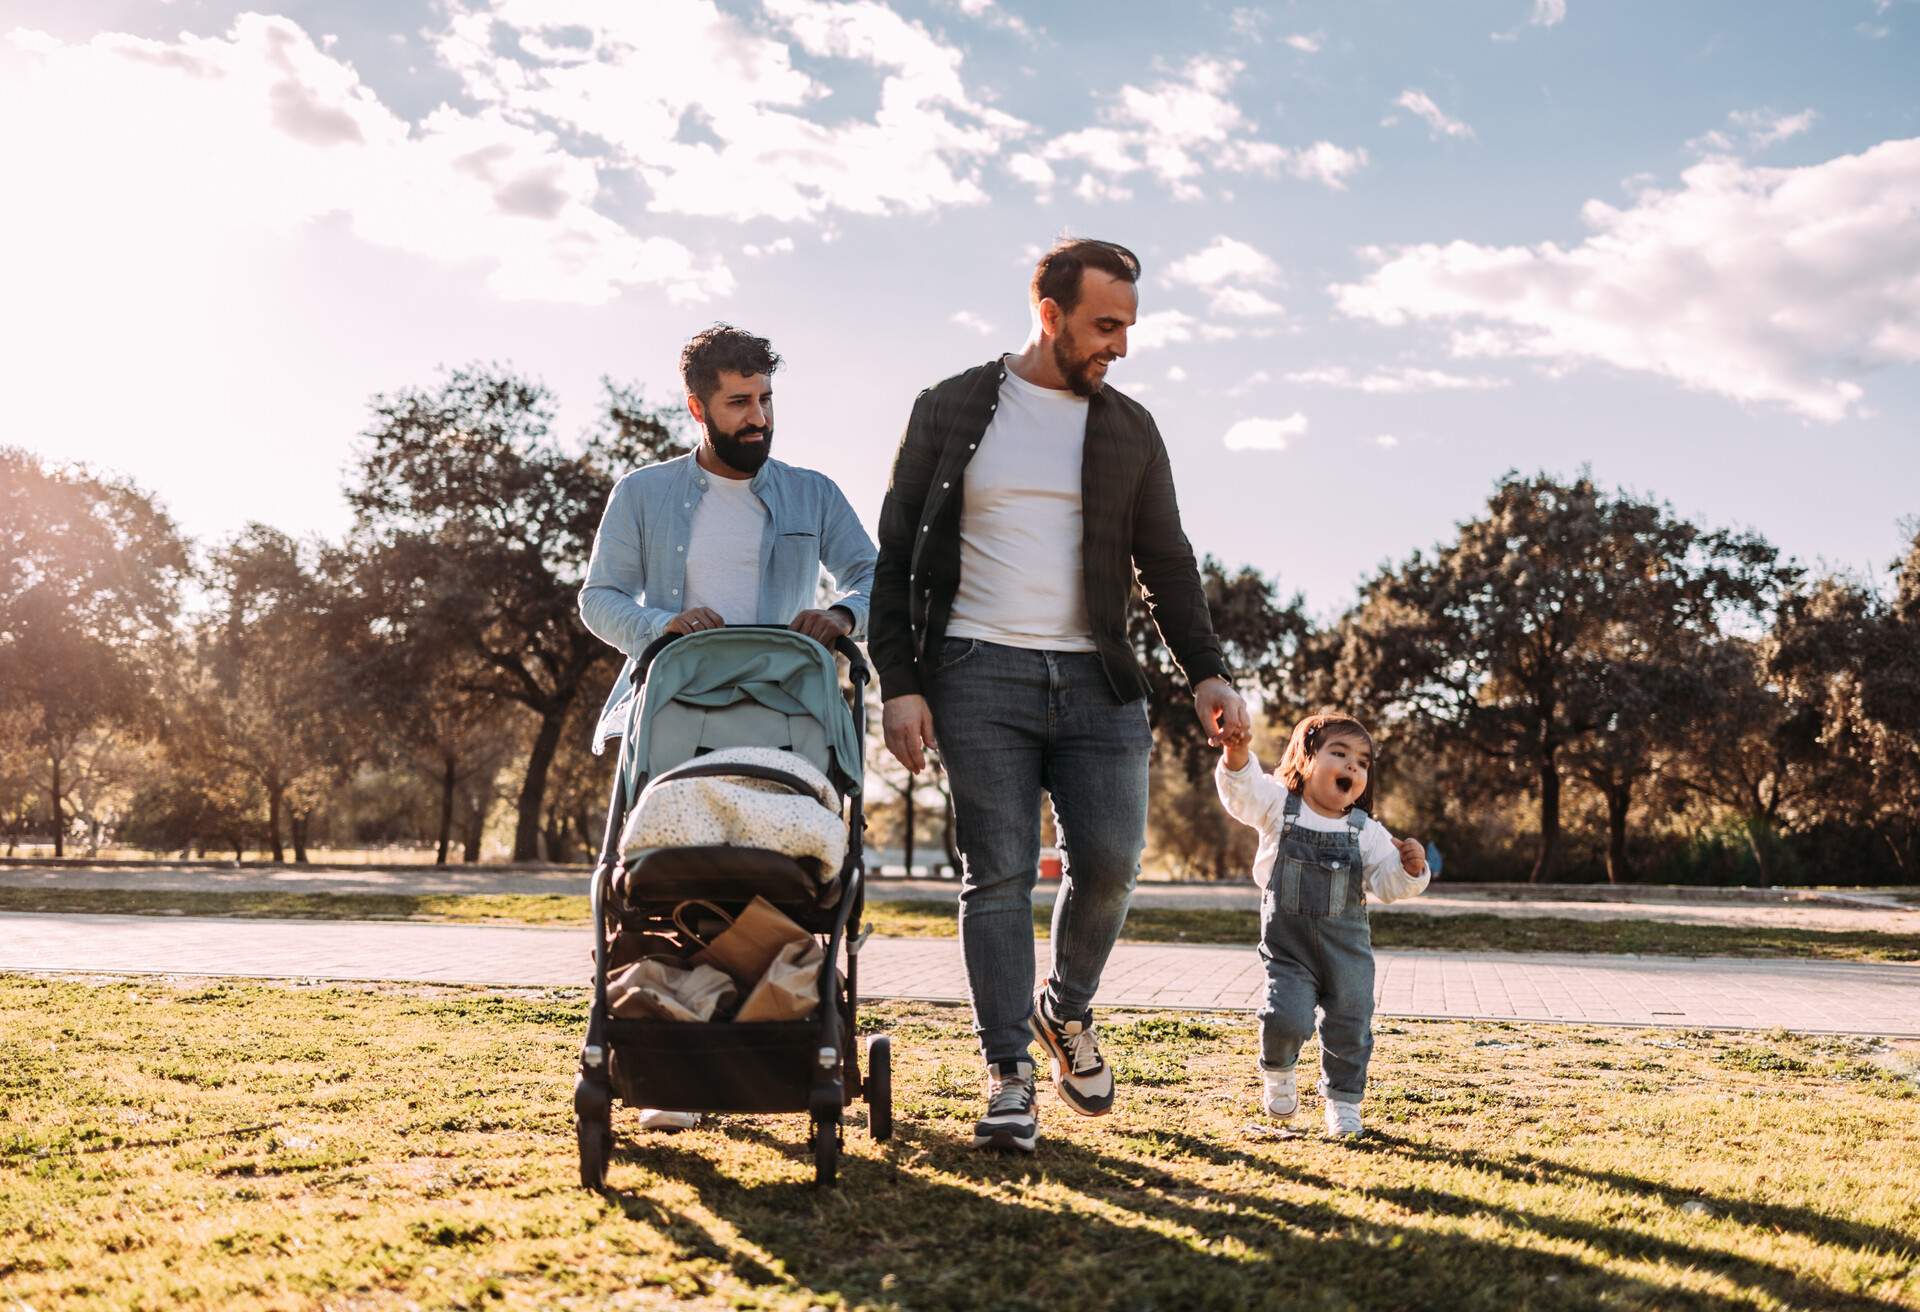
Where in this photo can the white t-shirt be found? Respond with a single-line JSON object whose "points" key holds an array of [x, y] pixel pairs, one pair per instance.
{"points": [[1256, 798], [1021, 576], [723, 550]]}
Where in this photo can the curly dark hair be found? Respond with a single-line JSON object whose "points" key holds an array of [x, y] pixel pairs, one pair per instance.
{"points": [[723, 347], [1057, 277]]}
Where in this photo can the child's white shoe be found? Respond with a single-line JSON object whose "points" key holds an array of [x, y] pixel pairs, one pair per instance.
{"points": [[1280, 1097], [1343, 1119]]}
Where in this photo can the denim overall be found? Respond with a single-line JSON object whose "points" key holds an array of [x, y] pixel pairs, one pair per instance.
{"points": [[1318, 951]]}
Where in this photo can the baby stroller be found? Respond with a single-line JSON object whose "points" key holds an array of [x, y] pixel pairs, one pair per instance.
{"points": [[739, 686]]}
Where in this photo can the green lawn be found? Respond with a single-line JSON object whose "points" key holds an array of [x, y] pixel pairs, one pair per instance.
{"points": [[933, 918], [255, 1146]]}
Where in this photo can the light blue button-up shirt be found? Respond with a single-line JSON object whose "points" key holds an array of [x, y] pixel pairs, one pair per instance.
{"points": [[637, 579]]}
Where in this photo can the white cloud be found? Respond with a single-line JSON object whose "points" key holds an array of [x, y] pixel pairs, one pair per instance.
{"points": [[713, 114], [260, 133], [1160, 328], [1780, 286], [988, 12], [1760, 128], [1176, 374], [1096, 190], [1245, 303], [1307, 43], [1265, 434], [1326, 163], [1258, 378], [1224, 260], [1545, 13], [1032, 170], [778, 246], [1420, 104], [1180, 130], [1394, 382], [1386, 441], [968, 319]]}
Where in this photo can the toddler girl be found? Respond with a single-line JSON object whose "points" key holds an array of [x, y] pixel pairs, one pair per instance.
{"points": [[1320, 853]]}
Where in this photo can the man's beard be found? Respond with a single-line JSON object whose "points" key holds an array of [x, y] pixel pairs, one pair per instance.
{"points": [[746, 457], [1078, 372]]}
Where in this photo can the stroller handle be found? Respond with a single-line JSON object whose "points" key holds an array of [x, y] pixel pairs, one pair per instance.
{"points": [[857, 668]]}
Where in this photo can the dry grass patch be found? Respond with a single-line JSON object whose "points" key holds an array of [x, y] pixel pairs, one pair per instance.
{"points": [[253, 1146]]}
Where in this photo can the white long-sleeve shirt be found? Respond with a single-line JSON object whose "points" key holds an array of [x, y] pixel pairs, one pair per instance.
{"points": [[1256, 798]]}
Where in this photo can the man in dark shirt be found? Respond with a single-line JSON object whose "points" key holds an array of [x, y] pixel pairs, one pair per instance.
{"points": [[1025, 495]]}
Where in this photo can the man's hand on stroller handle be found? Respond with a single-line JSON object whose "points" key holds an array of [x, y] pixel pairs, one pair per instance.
{"points": [[823, 626], [907, 722], [692, 621]]}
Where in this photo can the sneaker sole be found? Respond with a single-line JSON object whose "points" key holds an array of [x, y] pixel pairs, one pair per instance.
{"points": [[1057, 1067], [1007, 1141]]}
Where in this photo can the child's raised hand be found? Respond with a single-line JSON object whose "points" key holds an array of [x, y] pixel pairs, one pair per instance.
{"points": [[1234, 747], [1413, 855]]}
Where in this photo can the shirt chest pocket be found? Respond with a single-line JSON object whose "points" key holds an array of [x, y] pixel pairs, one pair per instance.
{"points": [[795, 566]]}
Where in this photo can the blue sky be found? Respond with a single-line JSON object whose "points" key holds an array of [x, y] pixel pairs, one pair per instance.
{"points": [[1392, 250]]}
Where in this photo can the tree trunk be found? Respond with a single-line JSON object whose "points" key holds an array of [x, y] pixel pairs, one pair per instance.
{"points": [[1756, 829], [275, 804], [446, 810], [1619, 797], [59, 818], [475, 828], [906, 844], [533, 790], [1549, 820], [298, 822]]}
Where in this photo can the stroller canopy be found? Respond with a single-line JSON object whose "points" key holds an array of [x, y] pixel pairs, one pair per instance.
{"points": [[742, 687]]}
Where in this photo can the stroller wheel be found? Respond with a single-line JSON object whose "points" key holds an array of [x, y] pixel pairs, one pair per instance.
{"points": [[879, 1087], [596, 1150], [826, 1151]]}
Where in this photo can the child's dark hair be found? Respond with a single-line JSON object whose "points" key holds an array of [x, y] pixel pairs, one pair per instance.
{"points": [[1309, 736]]}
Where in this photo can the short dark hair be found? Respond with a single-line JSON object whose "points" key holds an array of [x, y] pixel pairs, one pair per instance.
{"points": [[1057, 277], [1309, 736], [723, 347]]}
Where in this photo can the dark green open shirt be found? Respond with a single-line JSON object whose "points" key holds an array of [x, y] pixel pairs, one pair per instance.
{"points": [[1131, 529]]}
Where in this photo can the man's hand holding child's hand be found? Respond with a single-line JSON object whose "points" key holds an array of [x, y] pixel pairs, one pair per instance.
{"points": [[1413, 855], [1234, 745]]}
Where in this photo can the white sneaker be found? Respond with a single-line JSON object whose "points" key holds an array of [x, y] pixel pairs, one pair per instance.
{"points": [[1281, 1098], [652, 1118], [1010, 1121], [1343, 1119]]}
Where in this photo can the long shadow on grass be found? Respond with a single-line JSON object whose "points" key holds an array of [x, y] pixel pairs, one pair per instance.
{"points": [[1527, 1168], [954, 1229]]}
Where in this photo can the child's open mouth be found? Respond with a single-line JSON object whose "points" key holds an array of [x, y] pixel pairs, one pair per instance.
{"points": [[1344, 784]]}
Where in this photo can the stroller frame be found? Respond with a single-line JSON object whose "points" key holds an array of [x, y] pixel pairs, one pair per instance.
{"points": [[808, 1065]]}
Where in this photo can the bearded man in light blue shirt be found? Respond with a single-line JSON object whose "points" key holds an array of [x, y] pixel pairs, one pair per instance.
{"points": [[724, 534]]}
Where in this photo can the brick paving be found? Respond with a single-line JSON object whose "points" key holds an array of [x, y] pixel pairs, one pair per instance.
{"points": [[1710, 993]]}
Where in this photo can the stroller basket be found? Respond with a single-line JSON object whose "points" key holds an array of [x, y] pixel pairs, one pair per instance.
{"points": [[720, 688]]}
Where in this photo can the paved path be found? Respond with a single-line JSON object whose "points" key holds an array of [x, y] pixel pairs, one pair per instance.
{"points": [[1778, 909], [1715, 993]]}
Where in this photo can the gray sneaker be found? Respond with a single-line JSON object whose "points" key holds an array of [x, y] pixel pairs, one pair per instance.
{"points": [[1081, 1078], [1009, 1122]]}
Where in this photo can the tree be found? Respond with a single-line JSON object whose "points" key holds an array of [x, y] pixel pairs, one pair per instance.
{"points": [[463, 488], [90, 577], [1519, 640], [281, 715], [1259, 636]]}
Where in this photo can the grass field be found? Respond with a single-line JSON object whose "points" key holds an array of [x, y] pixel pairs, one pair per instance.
{"points": [[930, 918], [253, 1146]]}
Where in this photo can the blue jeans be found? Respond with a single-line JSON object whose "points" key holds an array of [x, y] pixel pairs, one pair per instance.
{"points": [[1318, 950], [1011, 723]]}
